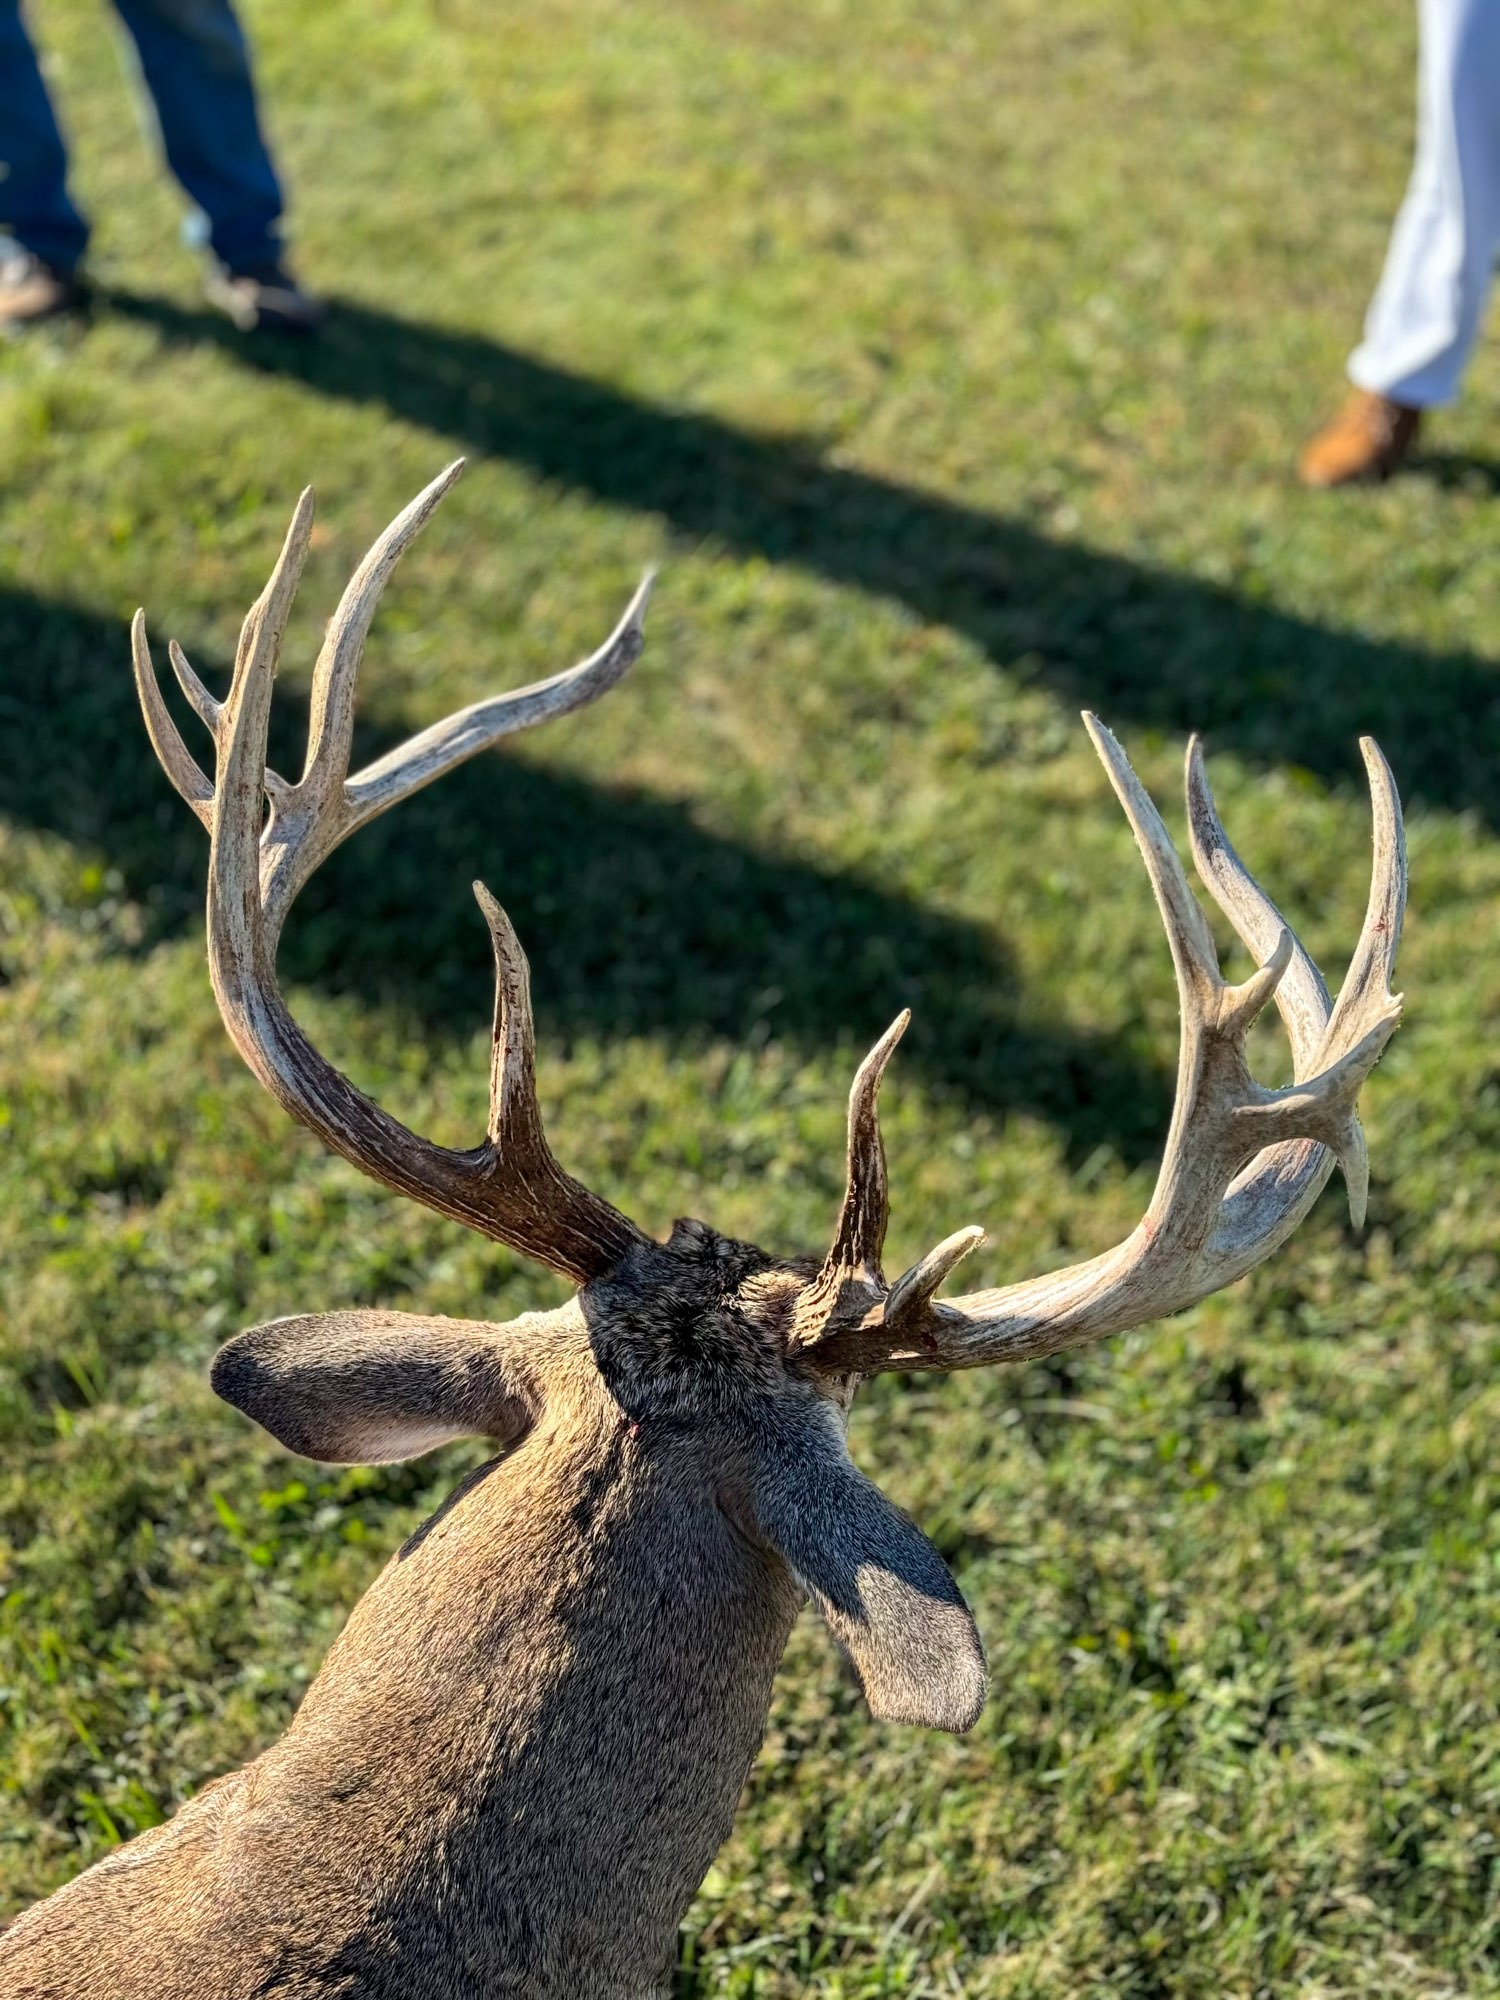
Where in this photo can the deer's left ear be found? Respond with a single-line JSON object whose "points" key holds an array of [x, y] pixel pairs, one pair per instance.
{"points": [[365, 1388], [882, 1587]]}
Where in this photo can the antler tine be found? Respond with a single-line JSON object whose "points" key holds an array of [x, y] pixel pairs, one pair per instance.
{"points": [[859, 1236], [330, 728], [1365, 996], [1242, 1164], [546, 1213], [179, 763], [316, 815], [240, 953], [1301, 996], [427, 755], [1193, 950], [913, 1292], [510, 1188], [249, 695], [1267, 1201], [515, 1119], [204, 706]]}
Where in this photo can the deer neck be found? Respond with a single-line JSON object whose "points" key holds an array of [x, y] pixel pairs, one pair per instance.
{"points": [[529, 1741]]}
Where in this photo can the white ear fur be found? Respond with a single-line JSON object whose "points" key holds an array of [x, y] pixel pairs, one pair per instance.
{"points": [[882, 1587], [366, 1388]]}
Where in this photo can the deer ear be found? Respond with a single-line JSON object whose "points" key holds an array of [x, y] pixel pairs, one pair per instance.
{"points": [[364, 1388], [882, 1587]]}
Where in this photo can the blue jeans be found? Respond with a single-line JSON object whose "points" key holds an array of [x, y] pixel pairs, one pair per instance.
{"points": [[197, 67]]}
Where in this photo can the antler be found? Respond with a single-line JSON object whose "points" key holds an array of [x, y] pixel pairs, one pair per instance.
{"points": [[1242, 1166], [510, 1188]]}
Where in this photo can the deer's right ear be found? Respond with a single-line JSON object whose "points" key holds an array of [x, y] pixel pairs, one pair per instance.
{"points": [[365, 1388], [883, 1589]]}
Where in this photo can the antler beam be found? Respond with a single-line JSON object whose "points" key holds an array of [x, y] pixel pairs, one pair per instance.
{"points": [[510, 1187], [1242, 1164]]}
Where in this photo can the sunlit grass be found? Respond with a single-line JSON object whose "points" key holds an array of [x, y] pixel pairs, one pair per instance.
{"points": [[951, 361]]}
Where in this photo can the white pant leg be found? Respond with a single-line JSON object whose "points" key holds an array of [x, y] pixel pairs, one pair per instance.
{"points": [[1427, 308]]}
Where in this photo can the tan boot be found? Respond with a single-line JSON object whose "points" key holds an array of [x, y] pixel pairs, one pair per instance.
{"points": [[1367, 440]]}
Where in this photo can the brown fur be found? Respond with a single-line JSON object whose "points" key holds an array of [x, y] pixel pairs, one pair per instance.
{"points": [[528, 1742]]}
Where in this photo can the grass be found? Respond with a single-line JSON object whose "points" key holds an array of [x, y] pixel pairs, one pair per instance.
{"points": [[951, 360]]}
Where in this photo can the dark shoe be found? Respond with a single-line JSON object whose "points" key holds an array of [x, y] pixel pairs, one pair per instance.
{"points": [[267, 299], [31, 290], [1367, 440]]}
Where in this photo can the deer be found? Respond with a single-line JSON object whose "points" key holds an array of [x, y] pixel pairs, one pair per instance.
{"points": [[530, 1737]]}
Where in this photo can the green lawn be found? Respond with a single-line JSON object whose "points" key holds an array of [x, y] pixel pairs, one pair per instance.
{"points": [[950, 358]]}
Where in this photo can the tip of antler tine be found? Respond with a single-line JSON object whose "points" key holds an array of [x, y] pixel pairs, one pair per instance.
{"points": [[872, 1069], [300, 526], [634, 618], [1187, 928], [269, 613], [176, 759], [203, 703], [1103, 739], [1111, 755], [369, 579], [514, 1118], [1388, 881], [1354, 1158], [502, 930], [864, 1129], [860, 1234], [1239, 1005], [1206, 833], [913, 1290]]}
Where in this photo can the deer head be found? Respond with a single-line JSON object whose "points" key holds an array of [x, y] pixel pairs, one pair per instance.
{"points": [[545, 1708]]}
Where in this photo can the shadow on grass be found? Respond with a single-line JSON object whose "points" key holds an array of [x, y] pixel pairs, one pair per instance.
{"points": [[636, 921], [1462, 472], [1143, 647]]}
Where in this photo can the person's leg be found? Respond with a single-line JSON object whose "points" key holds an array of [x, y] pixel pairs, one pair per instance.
{"points": [[1427, 308], [34, 205], [197, 69]]}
